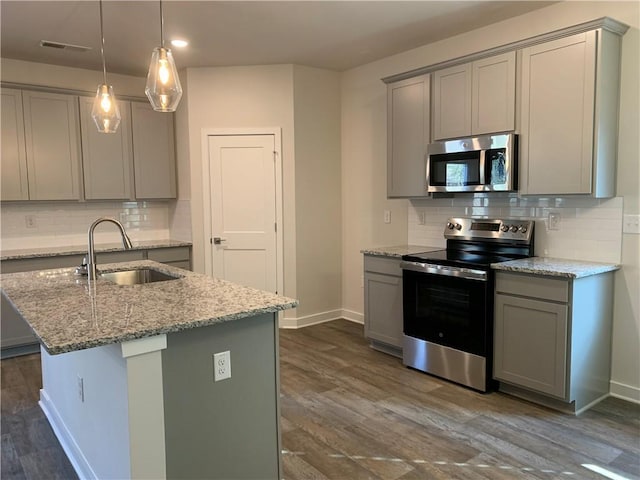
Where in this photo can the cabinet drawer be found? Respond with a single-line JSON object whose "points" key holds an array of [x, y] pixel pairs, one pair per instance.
{"points": [[533, 286], [40, 263], [117, 257], [167, 255], [384, 265]]}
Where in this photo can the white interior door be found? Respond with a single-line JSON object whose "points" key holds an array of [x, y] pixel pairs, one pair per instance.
{"points": [[242, 181]]}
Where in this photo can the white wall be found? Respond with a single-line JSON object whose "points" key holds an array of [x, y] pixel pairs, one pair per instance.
{"points": [[316, 103], [364, 166], [236, 97], [304, 103]]}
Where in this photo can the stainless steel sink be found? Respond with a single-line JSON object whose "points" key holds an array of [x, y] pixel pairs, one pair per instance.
{"points": [[137, 277]]}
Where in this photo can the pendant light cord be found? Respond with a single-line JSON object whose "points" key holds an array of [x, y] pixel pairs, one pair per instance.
{"points": [[104, 64], [161, 26]]}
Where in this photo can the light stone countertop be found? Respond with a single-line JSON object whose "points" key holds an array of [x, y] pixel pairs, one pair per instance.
{"points": [[68, 314], [399, 250], [555, 267], [17, 254]]}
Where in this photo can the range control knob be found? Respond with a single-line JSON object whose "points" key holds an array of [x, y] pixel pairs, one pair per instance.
{"points": [[523, 229], [504, 227], [450, 225], [514, 228], [458, 226]]}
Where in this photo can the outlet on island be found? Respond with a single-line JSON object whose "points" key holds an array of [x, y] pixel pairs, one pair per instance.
{"points": [[221, 366]]}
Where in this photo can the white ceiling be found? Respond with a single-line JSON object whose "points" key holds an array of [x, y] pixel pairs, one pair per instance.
{"points": [[336, 35]]}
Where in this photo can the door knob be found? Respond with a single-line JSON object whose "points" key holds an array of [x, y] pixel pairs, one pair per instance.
{"points": [[218, 240]]}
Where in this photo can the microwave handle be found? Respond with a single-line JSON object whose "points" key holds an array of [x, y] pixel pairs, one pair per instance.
{"points": [[426, 171], [482, 165]]}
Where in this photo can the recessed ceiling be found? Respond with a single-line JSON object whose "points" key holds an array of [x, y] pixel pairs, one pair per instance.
{"points": [[336, 35]]}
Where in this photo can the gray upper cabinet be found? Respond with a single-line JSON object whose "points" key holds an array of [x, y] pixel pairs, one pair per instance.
{"points": [[493, 96], [51, 149], [14, 159], [407, 136], [153, 152], [475, 98], [52, 133], [569, 115], [452, 102], [107, 159]]}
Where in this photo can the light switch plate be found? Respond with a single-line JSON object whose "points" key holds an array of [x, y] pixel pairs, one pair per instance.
{"points": [[631, 224]]}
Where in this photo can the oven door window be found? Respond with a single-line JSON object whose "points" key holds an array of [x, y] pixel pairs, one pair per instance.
{"points": [[455, 169], [446, 310]]}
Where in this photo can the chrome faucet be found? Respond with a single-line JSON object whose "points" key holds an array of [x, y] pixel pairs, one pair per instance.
{"points": [[91, 266]]}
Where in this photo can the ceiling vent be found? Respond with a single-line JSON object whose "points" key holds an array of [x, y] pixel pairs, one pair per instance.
{"points": [[64, 46]]}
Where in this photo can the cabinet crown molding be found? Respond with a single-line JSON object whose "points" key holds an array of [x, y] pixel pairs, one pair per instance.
{"points": [[605, 23]]}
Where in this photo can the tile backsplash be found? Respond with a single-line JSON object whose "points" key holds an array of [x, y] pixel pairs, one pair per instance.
{"points": [[588, 229], [27, 225]]}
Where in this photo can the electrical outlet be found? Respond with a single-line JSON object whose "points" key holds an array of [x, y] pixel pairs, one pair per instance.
{"points": [[421, 218], [553, 222], [80, 385], [221, 366], [387, 216], [30, 221]]}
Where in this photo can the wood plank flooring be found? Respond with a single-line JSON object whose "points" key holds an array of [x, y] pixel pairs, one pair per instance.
{"points": [[349, 412]]}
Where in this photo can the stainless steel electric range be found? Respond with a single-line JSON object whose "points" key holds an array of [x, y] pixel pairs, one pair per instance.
{"points": [[448, 298]]}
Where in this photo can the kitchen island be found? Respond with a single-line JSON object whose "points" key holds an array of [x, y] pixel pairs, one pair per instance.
{"points": [[128, 372]]}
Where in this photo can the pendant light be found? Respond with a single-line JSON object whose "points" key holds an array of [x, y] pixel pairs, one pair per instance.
{"points": [[163, 85], [105, 111]]}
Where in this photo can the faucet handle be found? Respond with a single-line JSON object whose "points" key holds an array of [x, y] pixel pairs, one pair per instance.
{"points": [[82, 269]]}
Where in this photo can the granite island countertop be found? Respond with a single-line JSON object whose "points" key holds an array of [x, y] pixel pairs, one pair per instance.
{"points": [[556, 267], [67, 313], [399, 250], [22, 253]]}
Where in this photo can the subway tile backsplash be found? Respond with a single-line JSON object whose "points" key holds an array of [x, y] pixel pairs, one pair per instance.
{"points": [[589, 229], [27, 225]]}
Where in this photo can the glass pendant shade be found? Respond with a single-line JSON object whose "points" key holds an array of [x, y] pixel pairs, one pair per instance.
{"points": [[105, 111], [163, 85]]}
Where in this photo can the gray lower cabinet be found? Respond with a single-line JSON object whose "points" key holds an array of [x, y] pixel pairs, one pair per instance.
{"points": [[16, 337], [552, 342], [383, 303]]}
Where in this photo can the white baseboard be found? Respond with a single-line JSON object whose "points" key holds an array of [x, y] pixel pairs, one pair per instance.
{"points": [[299, 322], [322, 317], [625, 392], [353, 316], [69, 445]]}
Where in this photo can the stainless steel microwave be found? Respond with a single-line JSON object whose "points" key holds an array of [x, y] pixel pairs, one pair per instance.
{"points": [[478, 164]]}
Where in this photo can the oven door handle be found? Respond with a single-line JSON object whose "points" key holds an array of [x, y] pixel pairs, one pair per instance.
{"points": [[466, 273]]}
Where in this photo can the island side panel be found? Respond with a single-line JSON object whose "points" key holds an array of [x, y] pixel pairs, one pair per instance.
{"points": [[91, 421], [230, 428]]}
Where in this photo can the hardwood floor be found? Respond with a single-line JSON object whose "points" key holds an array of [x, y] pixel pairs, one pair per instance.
{"points": [[349, 412], [30, 450]]}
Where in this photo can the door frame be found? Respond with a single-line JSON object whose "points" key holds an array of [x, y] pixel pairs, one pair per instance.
{"points": [[206, 194]]}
